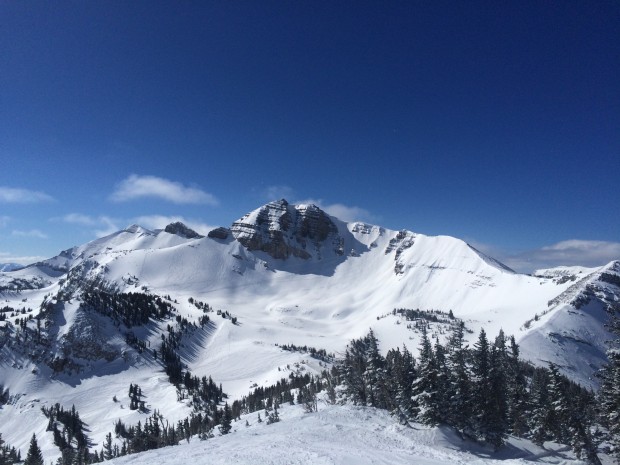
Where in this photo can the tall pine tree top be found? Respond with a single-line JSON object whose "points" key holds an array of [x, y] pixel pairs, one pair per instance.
{"points": [[34, 457]]}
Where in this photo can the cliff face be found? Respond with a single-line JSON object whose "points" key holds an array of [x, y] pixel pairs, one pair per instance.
{"points": [[283, 230]]}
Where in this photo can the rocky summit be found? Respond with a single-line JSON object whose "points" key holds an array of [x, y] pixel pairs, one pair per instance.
{"points": [[283, 230]]}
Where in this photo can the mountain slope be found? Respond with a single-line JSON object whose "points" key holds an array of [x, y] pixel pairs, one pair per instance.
{"points": [[285, 274]]}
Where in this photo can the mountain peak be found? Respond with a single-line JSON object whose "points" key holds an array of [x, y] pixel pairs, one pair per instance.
{"points": [[135, 229], [283, 230]]}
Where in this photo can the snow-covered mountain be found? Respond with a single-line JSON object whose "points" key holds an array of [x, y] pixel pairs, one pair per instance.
{"points": [[281, 274], [10, 266]]}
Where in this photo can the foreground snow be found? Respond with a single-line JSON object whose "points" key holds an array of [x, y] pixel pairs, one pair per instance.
{"points": [[342, 435]]}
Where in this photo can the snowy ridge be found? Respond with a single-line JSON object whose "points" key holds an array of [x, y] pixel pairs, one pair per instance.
{"points": [[344, 435]]}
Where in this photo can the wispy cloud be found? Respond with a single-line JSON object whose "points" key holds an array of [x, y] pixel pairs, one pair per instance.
{"points": [[278, 192], [7, 257], [569, 252], [341, 211], [99, 226], [161, 221], [4, 220], [16, 195], [78, 218], [136, 187], [104, 225], [35, 233]]}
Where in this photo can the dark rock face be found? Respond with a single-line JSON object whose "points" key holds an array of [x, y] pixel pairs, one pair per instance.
{"points": [[283, 230], [180, 229], [219, 233]]}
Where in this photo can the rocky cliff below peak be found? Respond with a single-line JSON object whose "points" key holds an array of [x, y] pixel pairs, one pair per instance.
{"points": [[283, 230]]}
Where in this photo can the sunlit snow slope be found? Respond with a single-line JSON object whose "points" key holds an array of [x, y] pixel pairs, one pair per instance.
{"points": [[288, 274]]}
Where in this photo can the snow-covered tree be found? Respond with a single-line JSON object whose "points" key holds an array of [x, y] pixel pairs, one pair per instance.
{"points": [[425, 387], [34, 456]]}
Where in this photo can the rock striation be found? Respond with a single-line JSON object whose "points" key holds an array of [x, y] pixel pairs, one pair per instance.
{"points": [[283, 230]]}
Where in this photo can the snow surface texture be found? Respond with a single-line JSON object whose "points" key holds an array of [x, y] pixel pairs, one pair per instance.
{"points": [[344, 435], [350, 278]]}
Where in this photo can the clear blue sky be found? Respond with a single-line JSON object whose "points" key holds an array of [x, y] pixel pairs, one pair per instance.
{"points": [[496, 122]]}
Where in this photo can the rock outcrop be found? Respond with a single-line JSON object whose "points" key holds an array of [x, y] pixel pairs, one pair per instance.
{"points": [[219, 233], [180, 229], [283, 230]]}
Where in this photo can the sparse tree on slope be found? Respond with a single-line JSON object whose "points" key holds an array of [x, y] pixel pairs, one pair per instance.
{"points": [[34, 456]]}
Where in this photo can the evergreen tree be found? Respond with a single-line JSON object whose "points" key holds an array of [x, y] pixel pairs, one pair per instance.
{"points": [[517, 392], [374, 375], [425, 386], [400, 369], [498, 405], [226, 424], [482, 403], [107, 447], [354, 367], [443, 382], [34, 456], [459, 387], [560, 413], [541, 417]]}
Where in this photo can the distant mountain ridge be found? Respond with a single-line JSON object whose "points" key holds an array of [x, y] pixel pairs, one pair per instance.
{"points": [[10, 266]]}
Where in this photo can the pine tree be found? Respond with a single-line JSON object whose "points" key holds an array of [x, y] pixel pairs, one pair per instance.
{"points": [[354, 367], [560, 414], [34, 456], [425, 386], [517, 392], [400, 369], [498, 404], [541, 418], [482, 403], [374, 375], [226, 425], [459, 387], [443, 382], [107, 447]]}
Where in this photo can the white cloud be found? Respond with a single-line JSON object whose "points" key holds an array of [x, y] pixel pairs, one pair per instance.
{"points": [[341, 211], [4, 220], [106, 226], [161, 221], [568, 252], [15, 195], [135, 187], [99, 225], [78, 218], [7, 257], [278, 192], [32, 233]]}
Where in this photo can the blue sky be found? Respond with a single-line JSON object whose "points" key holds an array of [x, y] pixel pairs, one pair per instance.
{"points": [[496, 122]]}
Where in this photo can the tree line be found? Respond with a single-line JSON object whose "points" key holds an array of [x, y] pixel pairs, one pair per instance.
{"points": [[485, 392]]}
